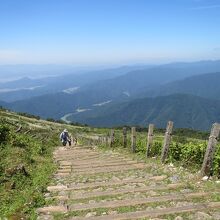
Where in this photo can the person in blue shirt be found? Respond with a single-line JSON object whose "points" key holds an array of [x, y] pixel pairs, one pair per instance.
{"points": [[65, 137]]}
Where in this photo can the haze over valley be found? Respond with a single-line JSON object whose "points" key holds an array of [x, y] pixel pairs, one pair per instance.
{"points": [[127, 95]]}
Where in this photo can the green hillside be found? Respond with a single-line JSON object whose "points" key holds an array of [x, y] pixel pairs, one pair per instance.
{"points": [[26, 165], [120, 84], [196, 108], [186, 111]]}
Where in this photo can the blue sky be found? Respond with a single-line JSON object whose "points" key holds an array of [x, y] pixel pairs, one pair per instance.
{"points": [[108, 31]]}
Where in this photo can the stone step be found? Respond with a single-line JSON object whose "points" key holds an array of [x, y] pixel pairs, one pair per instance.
{"points": [[109, 170], [81, 157], [65, 167], [76, 147], [91, 159], [82, 147], [102, 158], [65, 163], [99, 161], [88, 169], [76, 154], [134, 202], [115, 192], [156, 212], [104, 164], [56, 188], [59, 174], [52, 209], [115, 183], [64, 171], [72, 150]]}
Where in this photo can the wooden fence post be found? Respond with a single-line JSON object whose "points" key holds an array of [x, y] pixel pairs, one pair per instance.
{"points": [[149, 139], [112, 138], [125, 137], [167, 141], [133, 139], [210, 150]]}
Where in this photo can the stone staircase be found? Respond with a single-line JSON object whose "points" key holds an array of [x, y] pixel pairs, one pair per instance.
{"points": [[103, 185]]}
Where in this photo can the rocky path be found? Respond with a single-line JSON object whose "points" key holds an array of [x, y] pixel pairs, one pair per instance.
{"points": [[103, 185]]}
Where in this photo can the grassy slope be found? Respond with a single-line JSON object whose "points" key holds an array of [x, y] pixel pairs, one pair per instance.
{"points": [[26, 163]]}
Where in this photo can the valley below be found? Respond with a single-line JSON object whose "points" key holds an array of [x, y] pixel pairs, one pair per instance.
{"points": [[186, 93]]}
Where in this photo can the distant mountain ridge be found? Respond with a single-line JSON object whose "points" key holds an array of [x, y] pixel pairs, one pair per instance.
{"points": [[116, 81], [186, 111], [106, 96], [21, 89], [137, 81], [205, 85]]}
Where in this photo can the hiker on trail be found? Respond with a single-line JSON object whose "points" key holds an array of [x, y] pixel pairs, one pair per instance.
{"points": [[65, 137]]}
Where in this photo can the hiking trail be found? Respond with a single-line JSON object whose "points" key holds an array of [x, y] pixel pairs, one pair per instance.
{"points": [[108, 185]]}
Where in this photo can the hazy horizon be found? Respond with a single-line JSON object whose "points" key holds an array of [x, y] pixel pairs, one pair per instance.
{"points": [[11, 72]]}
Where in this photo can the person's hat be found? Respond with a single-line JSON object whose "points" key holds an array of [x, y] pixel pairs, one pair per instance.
{"points": [[65, 130]]}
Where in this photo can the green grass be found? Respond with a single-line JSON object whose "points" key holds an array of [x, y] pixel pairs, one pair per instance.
{"points": [[187, 151], [26, 166]]}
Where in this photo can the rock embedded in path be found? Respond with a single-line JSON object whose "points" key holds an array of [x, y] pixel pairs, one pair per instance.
{"points": [[216, 215], [174, 179], [52, 209], [205, 178], [202, 216], [116, 179], [90, 214], [45, 217], [178, 218]]}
